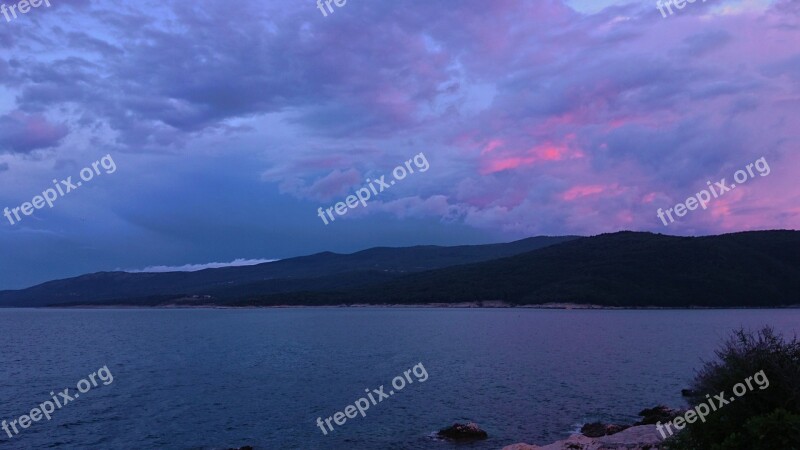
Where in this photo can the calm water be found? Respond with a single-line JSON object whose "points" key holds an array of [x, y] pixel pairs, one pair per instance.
{"points": [[211, 379]]}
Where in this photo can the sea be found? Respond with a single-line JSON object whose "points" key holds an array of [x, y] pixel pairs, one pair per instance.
{"points": [[228, 378]]}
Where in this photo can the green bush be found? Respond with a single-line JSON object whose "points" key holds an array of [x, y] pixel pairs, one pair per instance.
{"points": [[779, 430], [763, 419]]}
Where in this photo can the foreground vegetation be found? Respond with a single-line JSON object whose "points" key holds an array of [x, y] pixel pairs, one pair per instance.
{"points": [[767, 419]]}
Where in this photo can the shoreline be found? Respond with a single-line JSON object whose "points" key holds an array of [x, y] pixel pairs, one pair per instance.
{"points": [[637, 437], [460, 305]]}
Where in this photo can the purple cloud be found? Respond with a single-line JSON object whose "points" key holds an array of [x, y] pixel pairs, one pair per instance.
{"points": [[23, 133], [541, 118]]}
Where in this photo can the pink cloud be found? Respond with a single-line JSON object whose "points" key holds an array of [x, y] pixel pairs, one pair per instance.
{"points": [[23, 133], [582, 191], [542, 153], [335, 183]]}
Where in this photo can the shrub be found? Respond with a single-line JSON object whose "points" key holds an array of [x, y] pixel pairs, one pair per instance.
{"points": [[761, 419], [779, 430]]}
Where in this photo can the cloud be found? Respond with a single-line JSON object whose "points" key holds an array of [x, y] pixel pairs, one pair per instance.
{"points": [[517, 101], [23, 133], [195, 267], [332, 185]]}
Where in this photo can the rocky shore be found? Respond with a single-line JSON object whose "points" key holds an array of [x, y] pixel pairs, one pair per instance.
{"points": [[642, 435]]}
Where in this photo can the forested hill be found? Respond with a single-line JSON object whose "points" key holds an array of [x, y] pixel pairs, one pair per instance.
{"points": [[627, 269], [322, 271]]}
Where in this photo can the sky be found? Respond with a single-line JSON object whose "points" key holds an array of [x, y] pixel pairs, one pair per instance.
{"points": [[218, 129]]}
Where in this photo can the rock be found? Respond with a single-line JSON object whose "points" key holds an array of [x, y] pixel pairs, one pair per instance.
{"points": [[597, 429], [463, 432], [660, 413], [689, 393], [643, 437], [614, 428], [521, 446], [594, 429]]}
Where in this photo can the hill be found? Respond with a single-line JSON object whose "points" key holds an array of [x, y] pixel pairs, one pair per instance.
{"points": [[625, 269], [323, 271]]}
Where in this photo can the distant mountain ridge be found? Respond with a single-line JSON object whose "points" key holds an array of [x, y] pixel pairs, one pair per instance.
{"points": [[623, 269], [325, 270]]}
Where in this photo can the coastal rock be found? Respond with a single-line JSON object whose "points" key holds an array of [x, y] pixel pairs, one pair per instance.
{"points": [[463, 432], [598, 429], [521, 447], [642, 437], [689, 393], [660, 413]]}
